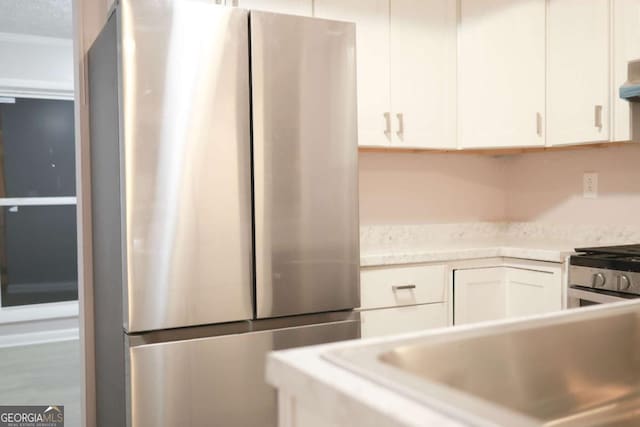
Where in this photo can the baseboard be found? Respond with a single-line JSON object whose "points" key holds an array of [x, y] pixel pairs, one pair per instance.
{"points": [[38, 332], [40, 337]]}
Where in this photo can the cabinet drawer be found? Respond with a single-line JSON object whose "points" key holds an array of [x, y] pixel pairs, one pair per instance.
{"points": [[398, 286], [388, 321]]}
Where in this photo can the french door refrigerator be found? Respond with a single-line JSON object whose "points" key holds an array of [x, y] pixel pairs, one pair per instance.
{"points": [[224, 206]]}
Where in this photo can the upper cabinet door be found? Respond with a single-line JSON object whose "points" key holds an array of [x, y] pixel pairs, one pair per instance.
{"points": [[626, 47], [501, 73], [578, 71], [292, 7], [423, 67], [372, 47]]}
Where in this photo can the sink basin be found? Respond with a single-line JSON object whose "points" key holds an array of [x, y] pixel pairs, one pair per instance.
{"points": [[577, 368]]}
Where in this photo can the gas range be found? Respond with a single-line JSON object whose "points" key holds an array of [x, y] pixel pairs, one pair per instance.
{"points": [[612, 271]]}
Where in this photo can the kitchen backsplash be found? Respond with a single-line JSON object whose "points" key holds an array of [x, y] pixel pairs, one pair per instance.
{"points": [[409, 238], [546, 187], [394, 238]]}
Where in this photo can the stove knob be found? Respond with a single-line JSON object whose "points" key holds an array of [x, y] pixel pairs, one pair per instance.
{"points": [[624, 283], [598, 280]]}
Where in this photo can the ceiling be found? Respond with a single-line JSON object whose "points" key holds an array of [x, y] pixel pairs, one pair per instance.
{"points": [[49, 18]]}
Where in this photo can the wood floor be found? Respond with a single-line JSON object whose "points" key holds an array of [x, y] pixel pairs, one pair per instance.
{"points": [[42, 374]]}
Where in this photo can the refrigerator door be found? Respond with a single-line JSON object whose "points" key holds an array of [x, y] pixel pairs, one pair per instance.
{"points": [[305, 164], [187, 166], [217, 381]]}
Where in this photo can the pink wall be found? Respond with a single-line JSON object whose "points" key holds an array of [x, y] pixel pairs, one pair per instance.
{"points": [[409, 188], [547, 187]]}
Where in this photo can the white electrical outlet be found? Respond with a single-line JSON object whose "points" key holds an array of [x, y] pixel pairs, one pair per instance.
{"points": [[590, 185]]}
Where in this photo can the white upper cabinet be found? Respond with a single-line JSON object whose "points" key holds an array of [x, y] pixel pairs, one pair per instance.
{"points": [[406, 70], [292, 7], [472, 74], [372, 47], [501, 73], [626, 47], [577, 71], [423, 69]]}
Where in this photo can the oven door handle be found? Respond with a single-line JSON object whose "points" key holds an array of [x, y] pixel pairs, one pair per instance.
{"points": [[593, 296]]}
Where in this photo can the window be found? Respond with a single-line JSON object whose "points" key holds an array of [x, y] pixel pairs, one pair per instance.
{"points": [[38, 249]]}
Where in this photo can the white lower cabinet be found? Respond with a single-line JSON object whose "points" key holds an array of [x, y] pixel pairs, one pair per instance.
{"points": [[410, 298], [402, 299], [482, 294], [389, 321], [399, 286], [532, 292], [479, 295]]}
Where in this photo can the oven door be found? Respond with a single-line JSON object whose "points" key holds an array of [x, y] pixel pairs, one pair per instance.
{"points": [[577, 297]]}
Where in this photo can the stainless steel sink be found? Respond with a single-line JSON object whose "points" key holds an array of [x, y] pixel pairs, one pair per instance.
{"points": [[579, 368]]}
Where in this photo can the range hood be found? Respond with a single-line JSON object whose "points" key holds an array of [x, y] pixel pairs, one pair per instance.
{"points": [[631, 89]]}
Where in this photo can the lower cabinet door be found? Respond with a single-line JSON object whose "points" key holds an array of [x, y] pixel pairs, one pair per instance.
{"points": [[482, 294], [532, 292], [389, 321], [479, 295]]}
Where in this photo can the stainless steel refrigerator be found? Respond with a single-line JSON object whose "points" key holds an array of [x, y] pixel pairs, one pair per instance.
{"points": [[224, 205]]}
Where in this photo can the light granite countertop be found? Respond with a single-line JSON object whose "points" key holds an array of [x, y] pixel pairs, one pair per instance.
{"points": [[534, 250], [406, 244]]}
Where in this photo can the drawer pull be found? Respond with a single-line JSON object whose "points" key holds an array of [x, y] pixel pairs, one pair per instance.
{"points": [[403, 287]]}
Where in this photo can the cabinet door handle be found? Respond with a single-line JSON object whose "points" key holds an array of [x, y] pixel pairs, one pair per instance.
{"points": [[400, 117], [539, 124], [402, 287], [598, 116], [387, 121]]}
